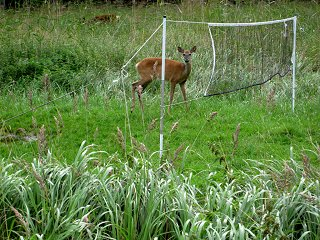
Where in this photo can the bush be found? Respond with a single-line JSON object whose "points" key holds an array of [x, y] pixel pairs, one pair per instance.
{"points": [[19, 68]]}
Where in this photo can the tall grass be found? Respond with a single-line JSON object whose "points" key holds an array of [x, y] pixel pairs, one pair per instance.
{"points": [[57, 41], [49, 200]]}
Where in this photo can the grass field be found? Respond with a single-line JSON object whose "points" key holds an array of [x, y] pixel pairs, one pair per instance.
{"points": [[242, 154], [264, 133]]}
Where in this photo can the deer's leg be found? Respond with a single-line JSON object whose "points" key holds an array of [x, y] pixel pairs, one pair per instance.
{"points": [[183, 90], [139, 90], [138, 86], [172, 88]]}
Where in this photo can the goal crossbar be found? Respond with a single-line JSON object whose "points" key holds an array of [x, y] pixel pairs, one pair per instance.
{"points": [[248, 24], [239, 24]]}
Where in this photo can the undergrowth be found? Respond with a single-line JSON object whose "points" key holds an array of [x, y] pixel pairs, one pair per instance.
{"points": [[47, 199]]}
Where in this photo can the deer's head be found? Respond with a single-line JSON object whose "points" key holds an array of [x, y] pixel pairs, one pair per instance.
{"points": [[187, 53]]}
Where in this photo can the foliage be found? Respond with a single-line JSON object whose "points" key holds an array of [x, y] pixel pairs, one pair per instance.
{"points": [[114, 200]]}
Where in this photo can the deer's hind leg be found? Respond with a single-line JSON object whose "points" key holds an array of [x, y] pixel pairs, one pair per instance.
{"points": [[138, 87], [139, 91], [133, 92]]}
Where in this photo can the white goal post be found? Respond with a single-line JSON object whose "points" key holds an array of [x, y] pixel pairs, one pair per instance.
{"points": [[249, 24]]}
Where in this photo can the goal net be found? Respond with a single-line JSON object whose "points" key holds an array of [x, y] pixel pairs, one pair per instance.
{"points": [[249, 54]]}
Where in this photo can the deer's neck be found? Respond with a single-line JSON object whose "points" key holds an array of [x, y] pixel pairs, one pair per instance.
{"points": [[187, 68]]}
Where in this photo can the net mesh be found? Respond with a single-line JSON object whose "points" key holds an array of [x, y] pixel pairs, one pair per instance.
{"points": [[246, 56]]}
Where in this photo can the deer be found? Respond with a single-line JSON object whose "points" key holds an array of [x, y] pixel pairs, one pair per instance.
{"points": [[175, 72]]}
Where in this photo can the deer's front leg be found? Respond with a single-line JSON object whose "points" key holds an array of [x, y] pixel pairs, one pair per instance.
{"points": [[183, 90]]}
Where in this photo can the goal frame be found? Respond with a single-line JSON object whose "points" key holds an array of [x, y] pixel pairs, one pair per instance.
{"points": [[164, 25]]}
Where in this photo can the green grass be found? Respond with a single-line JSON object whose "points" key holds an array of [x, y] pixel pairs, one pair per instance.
{"points": [[267, 132]]}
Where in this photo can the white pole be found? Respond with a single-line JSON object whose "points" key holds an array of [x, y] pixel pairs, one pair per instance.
{"points": [[162, 83], [293, 60], [213, 62]]}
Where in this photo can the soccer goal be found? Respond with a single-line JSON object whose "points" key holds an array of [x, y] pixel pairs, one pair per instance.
{"points": [[244, 55], [250, 54]]}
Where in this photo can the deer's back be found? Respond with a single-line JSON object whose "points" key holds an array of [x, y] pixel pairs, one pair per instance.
{"points": [[152, 67]]}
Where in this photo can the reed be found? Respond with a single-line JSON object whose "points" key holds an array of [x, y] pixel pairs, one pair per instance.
{"points": [[138, 201]]}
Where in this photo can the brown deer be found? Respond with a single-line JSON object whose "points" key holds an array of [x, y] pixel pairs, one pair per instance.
{"points": [[175, 72], [106, 18]]}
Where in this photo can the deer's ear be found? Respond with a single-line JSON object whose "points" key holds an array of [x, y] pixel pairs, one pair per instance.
{"points": [[193, 49], [180, 50]]}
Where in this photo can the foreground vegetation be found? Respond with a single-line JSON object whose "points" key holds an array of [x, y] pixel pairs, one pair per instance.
{"points": [[236, 166], [50, 200]]}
